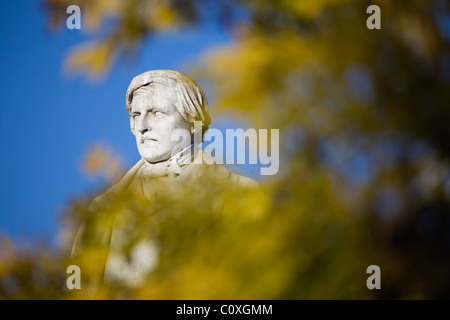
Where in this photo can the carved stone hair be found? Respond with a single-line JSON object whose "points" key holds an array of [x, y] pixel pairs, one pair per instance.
{"points": [[191, 100]]}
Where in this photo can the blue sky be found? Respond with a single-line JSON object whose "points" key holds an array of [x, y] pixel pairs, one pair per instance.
{"points": [[49, 120]]}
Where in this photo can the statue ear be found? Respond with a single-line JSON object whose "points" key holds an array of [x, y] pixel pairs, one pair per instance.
{"points": [[132, 125]]}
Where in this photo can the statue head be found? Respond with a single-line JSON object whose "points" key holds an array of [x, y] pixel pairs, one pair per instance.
{"points": [[160, 102]]}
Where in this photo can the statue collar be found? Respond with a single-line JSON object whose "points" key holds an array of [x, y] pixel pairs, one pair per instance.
{"points": [[176, 163], [172, 167]]}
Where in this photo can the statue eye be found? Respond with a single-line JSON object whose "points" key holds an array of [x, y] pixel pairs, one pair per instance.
{"points": [[158, 113], [134, 115]]}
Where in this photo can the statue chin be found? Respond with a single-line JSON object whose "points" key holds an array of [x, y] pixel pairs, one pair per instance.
{"points": [[149, 154], [152, 156]]}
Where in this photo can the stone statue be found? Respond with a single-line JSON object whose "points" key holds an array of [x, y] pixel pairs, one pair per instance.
{"points": [[159, 103]]}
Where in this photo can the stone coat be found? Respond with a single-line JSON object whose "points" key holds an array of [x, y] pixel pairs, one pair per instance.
{"points": [[130, 269]]}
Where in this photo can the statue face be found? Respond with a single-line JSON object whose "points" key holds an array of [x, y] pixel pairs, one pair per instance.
{"points": [[155, 117]]}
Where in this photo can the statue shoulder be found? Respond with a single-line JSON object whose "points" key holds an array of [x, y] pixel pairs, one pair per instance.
{"points": [[116, 189], [220, 172], [245, 181]]}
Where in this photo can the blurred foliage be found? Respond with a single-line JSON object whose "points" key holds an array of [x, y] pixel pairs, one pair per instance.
{"points": [[365, 152], [100, 161]]}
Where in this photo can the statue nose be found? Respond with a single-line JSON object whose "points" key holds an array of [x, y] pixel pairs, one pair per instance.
{"points": [[142, 125]]}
